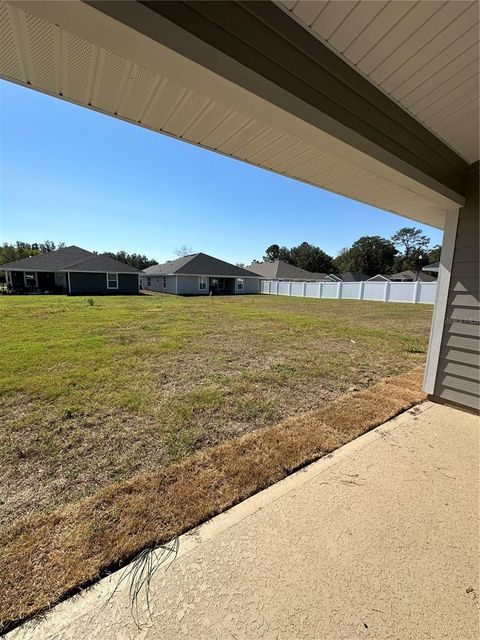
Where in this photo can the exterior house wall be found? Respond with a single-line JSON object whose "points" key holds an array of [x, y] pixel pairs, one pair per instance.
{"points": [[188, 286], [96, 284], [458, 373], [156, 284], [251, 285]]}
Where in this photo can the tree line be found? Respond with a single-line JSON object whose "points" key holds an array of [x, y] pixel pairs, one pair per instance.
{"points": [[408, 248], [19, 250]]}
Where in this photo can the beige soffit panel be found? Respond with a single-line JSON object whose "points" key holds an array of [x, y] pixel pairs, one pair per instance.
{"points": [[424, 55], [70, 50]]}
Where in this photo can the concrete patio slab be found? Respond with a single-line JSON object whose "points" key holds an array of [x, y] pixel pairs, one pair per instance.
{"points": [[379, 540]]}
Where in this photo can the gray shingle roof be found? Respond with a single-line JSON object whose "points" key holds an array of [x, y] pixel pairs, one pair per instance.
{"points": [[353, 276], [409, 274], [102, 263], [199, 264], [69, 259], [53, 261], [279, 270]]}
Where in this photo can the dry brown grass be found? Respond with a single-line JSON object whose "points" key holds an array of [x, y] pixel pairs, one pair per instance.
{"points": [[49, 555]]}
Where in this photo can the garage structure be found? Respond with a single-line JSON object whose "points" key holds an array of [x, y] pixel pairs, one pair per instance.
{"points": [[375, 101], [199, 274]]}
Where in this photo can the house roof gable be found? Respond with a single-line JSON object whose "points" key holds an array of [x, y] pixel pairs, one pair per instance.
{"points": [[199, 264], [280, 270]]}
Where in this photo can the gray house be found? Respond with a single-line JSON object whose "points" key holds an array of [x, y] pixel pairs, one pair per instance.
{"points": [[280, 270], [432, 268], [348, 276], [71, 270], [199, 274], [403, 276], [411, 276]]}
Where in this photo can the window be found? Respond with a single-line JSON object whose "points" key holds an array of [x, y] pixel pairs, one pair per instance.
{"points": [[240, 284], [112, 280], [164, 282], [202, 283], [30, 278], [149, 282]]}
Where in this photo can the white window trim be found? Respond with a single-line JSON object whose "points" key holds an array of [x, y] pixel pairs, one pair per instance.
{"points": [[25, 279], [200, 279], [242, 288], [8, 275], [116, 278], [164, 282]]}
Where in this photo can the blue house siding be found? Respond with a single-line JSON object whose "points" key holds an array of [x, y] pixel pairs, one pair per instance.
{"points": [[96, 284]]}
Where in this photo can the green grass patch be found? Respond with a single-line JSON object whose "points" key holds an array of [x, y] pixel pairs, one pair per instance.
{"points": [[98, 389]]}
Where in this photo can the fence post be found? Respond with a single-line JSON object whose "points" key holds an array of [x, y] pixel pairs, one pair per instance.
{"points": [[304, 291], [416, 291], [360, 290], [386, 293], [339, 289], [289, 288], [320, 287], [276, 289]]}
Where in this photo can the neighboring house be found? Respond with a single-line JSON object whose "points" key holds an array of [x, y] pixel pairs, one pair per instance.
{"points": [[432, 268], [347, 276], [411, 276], [71, 270], [403, 276], [379, 278], [280, 270], [199, 274]]}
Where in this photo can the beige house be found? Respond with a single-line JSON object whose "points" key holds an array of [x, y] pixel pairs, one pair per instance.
{"points": [[377, 101]]}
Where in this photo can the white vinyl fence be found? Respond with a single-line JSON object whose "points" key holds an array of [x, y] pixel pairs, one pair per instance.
{"points": [[415, 292]]}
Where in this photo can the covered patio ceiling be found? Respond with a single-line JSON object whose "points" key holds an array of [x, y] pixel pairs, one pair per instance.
{"points": [[208, 74]]}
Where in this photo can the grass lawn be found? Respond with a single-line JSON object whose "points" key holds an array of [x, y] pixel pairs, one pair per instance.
{"points": [[94, 394]]}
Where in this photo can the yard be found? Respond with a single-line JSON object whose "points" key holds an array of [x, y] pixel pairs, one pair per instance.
{"points": [[97, 390]]}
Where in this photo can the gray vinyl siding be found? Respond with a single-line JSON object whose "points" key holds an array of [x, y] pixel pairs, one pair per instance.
{"points": [[96, 284], [188, 286], [250, 285], [156, 284], [458, 374]]}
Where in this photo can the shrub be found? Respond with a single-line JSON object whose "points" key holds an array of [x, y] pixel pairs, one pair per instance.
{"points": [[69, 412]]}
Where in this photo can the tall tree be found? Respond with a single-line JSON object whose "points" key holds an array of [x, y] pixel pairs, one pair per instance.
{"points": [[133, 259], [311, 258], [413, 247], [17, 251], [49, 245], [369, 254], [271, 253], [183, 251], [434, 254]]}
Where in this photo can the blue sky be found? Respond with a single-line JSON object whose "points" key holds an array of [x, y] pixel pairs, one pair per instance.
{"points": [[73, 175]]}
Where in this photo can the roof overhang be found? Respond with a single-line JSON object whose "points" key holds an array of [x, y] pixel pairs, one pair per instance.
{"points": [[217, 78]]}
